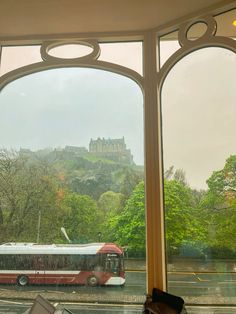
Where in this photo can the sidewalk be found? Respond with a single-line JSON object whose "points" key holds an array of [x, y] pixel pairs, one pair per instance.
{"points": [[59, 296]]}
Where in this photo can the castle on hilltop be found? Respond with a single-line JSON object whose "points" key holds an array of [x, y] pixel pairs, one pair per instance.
{"points": [[114, 149]]}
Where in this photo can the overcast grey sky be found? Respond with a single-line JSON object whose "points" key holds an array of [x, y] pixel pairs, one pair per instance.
{"points": [[199, 113], [70, 106]]}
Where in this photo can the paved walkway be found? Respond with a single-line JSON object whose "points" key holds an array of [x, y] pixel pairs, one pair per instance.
{"points": [[60, 296]]}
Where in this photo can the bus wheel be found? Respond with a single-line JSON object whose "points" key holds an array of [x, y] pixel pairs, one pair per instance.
{"points": [[92, 281], [23, 280]]}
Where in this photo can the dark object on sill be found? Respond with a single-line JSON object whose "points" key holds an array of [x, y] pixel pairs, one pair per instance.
{"points": [[164, 303], [43, 306]]}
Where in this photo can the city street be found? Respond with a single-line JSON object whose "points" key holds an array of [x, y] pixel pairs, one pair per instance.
{"points": [[180, 283], [207, 286]]}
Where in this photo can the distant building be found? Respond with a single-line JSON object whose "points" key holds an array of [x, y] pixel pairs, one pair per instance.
{"points": [[76, 149], [114, 149]]}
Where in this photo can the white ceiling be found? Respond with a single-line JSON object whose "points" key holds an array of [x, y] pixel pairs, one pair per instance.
{"points": [[42, 17]]}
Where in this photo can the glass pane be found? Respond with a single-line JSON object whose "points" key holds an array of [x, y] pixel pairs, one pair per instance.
{"points": [[196, 31], [17, 56], [128, 54], [71, 173], [70, 51], [198, 106], [168, 46]]}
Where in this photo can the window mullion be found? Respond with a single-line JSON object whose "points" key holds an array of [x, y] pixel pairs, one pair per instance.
{"points": [[156, 268]]}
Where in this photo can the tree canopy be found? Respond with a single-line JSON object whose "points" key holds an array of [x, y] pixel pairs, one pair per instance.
{"points": [[96, 200]]}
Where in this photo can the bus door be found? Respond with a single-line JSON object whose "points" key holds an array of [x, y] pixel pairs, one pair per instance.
{"points": [[39, 267], [113, 264]]}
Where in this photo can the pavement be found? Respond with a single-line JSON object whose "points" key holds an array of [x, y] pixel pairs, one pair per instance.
{"points": [[59, 296]]}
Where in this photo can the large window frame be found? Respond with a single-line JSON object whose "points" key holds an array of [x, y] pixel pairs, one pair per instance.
{"points": [[151, 84]]}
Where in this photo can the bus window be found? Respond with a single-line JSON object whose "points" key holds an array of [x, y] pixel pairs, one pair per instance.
{"points": [[113, 263], [38, 262]]}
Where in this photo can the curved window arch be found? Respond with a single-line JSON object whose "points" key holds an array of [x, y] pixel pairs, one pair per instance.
{"points": [[151, 83], [76, 138], [198, 123]]}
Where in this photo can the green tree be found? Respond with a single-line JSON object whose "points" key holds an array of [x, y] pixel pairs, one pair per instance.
{"points": [[27, 188], [129, 226], [182, 218], [110, 204], [219, 205], [83, 219], [128, 180]]}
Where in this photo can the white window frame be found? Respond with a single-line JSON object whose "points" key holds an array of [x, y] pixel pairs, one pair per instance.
{"points": [[151, 84]]}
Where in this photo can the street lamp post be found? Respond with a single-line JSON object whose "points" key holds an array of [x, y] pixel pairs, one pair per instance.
{"points": [[99, 236], [38, 227]]}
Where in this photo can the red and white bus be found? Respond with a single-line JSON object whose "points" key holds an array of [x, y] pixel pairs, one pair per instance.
{"points": [[86, 264]]}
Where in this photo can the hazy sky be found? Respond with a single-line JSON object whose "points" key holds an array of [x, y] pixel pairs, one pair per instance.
{"points": [[199, 113], [69, 106]]}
